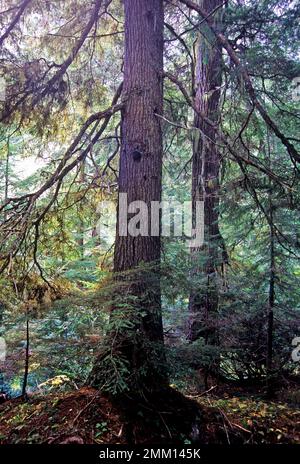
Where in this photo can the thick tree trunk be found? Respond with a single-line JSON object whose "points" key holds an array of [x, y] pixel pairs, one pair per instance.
{"points": [[141, 151], [205, 184], [137, 258]]}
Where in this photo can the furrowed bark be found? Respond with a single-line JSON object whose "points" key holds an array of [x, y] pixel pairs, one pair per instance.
{"points": [[136, 259], [203, 303]]}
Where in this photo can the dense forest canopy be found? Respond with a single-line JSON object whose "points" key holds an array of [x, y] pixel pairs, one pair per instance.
{"points": [[181, 102]]}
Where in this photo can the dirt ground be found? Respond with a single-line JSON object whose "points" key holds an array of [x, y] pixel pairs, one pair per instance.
{"points": [[85, 416]]}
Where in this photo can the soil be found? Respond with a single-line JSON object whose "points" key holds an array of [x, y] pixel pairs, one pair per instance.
{"points": [[86, 416]]}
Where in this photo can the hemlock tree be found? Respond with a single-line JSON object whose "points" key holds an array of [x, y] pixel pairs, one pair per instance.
{"points": [[203, 304], [136, 343], [44, 80]]}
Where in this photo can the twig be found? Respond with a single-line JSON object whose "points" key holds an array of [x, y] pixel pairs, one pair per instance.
{"points": [[82, 410], [203, 393]]}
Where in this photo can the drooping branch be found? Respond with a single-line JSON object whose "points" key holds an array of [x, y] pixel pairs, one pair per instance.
{"points": [[43, 87], [65, 65], [294, 154], [220, 135], [182, 41], [15, 21], [22, 213], [61, 169]]}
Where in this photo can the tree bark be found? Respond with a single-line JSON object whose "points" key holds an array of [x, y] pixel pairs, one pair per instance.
{"points": [[203, 303], [270, 314], [81, 222], [137, 259], [26, 370], [272, 277]]}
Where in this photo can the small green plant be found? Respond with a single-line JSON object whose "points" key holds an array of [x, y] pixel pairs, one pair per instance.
{"points": [[101, 428]]}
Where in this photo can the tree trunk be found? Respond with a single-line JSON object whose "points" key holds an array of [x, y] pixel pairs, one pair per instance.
{"points": [[271, 299], [6, 184], [26, 370], [270, 315], [81, 222], [203, 303], [137, 299]]}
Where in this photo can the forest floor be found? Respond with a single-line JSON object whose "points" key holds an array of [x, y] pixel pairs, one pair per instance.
{"points": [[223, 415], [86, 416]]}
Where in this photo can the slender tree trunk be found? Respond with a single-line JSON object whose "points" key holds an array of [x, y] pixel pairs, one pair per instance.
{"points": [[271, 300], [81, 222], [6, 185], [270, 316], [137, 259], [204, 302], [26, 369]]}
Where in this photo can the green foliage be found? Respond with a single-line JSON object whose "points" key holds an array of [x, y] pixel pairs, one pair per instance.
{"points": [[68, 253]]}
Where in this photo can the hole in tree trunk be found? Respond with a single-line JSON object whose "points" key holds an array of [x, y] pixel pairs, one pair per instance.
{"points": [[136, 155]]}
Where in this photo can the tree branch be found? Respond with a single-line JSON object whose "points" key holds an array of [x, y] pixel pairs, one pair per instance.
{"points": [[65, 65], [19, 210], [223, 138], [247, 80], [15, 21]]}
